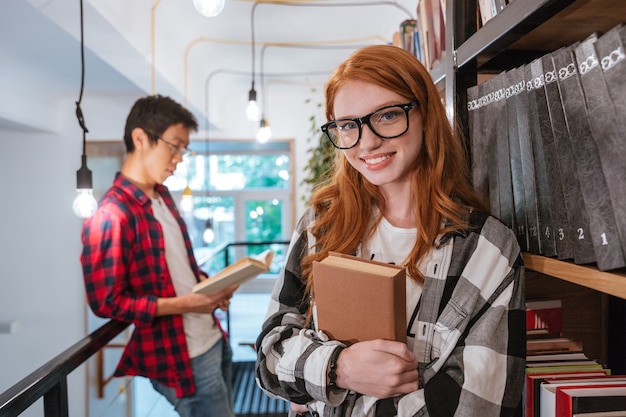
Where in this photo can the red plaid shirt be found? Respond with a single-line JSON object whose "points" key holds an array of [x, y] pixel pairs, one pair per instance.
{"points": [[125, 271]]}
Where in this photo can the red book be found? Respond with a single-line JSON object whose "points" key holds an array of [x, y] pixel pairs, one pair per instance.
{"points": [[547, 406], [571, 400], [533, 385], [544, 314]]}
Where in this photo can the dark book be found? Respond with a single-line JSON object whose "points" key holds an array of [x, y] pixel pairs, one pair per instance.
{"points": [[576, 399], [577, 215], [612, 116], [602, 231], [498, 116], [513, 86], [489, 95], [543, 195], [478, 146], [606, 138], [561, 228], [525, 133]]}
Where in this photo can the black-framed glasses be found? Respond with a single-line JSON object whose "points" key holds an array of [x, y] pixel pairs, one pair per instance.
{"points": [[176, 149], [387, 123]]}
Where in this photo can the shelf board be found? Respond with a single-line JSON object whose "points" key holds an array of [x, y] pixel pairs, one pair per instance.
{"points": [[613, 283], [438, 73], [573, 24], [515, 20]]}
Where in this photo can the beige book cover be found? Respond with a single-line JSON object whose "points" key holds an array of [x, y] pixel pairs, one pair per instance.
{"points": [[236, 273], [357, 299]]}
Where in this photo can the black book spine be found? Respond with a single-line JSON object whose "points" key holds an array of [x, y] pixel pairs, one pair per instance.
{"points": [[488, 98], [547, 244], [528, 164], [561, 228], [480, 174], [512, 87], [577, 215], [595, 404], [610, 49], [498, 114], [612, 146], [602, 230], [603, 126]]}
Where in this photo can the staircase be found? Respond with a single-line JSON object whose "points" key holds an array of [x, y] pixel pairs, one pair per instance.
{"points": [[249, 400]]}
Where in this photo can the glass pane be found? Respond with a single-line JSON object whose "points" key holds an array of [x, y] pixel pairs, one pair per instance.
{"points": [[231, 172], [220, 210], [263, 223], [252, 171]]}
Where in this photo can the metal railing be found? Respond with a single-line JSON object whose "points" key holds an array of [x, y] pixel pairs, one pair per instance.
{"points": [[224, 248], [50, 380]]}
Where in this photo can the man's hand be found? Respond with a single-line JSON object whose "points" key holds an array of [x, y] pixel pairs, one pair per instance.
{"points": [[195, 303], [378, 368]]}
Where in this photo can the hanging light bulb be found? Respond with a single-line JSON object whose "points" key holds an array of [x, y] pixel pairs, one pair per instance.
{"points": [[85, 204], [265, 132], [209, 234], [252, 111], [186, 202], [209, 8]]}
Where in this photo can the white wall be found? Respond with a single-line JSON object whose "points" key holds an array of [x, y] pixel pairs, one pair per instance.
{"points": [[40, 277], [41, 285]]}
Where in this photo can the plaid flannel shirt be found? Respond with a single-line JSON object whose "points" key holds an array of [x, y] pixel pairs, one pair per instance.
{"points": [[469, 330], [125, 271]]}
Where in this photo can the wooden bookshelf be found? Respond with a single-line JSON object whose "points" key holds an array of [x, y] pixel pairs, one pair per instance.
{"points": [[613, 283], [593, 301]]}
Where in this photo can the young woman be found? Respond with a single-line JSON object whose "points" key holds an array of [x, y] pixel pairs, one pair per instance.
{"points": [[400, 193]]}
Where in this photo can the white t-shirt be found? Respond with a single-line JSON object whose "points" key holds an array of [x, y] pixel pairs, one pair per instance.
{"points": [[391, 244], [201, 331]]}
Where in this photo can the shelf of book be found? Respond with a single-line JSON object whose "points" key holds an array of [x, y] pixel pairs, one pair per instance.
{"points": [[515, 20], [613, 283]]}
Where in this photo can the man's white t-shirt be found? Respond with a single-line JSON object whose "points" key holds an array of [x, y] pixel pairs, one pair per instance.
{"points": [[201, 331]]}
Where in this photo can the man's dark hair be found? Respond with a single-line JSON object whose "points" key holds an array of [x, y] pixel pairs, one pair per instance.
{"points": [[155, 114]]}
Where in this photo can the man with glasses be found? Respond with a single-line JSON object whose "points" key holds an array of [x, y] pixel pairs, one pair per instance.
{"points": [[139, 267]]}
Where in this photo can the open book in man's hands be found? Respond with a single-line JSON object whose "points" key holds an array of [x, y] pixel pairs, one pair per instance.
{"points": [[237, 273]]}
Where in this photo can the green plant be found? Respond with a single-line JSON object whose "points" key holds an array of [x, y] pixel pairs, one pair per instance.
{"points": [[321, 155]]}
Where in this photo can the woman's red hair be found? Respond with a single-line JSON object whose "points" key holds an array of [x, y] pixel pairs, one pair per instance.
{"points": [[441, 186]]}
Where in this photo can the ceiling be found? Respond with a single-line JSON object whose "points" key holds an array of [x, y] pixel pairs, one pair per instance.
{"points": [[136, 47]]}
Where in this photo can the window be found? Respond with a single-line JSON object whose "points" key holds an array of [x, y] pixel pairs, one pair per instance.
{"points": [[246, 192]]}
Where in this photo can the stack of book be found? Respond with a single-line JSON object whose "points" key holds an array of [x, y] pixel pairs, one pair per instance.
{"points": [[548, 150], [425, 37], [561, 381]]}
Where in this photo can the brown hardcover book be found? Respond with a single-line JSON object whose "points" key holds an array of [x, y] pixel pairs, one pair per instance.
{"points": [[357, 299], [559, 344], [236, 273]]}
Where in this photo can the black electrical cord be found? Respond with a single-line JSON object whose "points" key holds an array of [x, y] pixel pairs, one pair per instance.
{"points": [[79, 112], [83, 175]]}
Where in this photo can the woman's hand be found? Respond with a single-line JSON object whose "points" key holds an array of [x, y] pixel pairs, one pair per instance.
{"points": [[298, 409], [378, 368]]}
